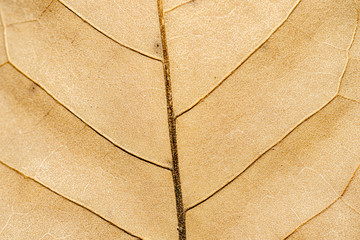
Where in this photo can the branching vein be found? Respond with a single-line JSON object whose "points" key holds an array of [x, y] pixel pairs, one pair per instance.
{"points": [[172, 127], [244, 61], [296, 126], [177, 6], [348, 51], [261, 155], [353, 209], [327, 207], [88, 125], [110, 37], [68, 199]]}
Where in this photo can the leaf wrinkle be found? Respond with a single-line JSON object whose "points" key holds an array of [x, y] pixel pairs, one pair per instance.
{"points": [[313, 39]]}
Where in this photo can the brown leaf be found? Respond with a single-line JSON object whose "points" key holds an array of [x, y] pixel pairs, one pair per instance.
{"points": [[249, 111]]}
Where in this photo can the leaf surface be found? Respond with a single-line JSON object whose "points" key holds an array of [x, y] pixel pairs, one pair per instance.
{"points": [[30, 211], [83, 72], [249, 111]]}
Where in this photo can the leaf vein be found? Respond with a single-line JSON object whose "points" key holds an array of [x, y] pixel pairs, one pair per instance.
{"points": [[348, 51], [5, 38], [177, 6], [88, 125], [262, 154], [296, 126], [243, 61], [347, 204], [172, 127], [109, 36], [68, 199], [327, 207]]}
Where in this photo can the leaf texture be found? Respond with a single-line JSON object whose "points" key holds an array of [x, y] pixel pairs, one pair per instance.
{"points": [[50, 145], [69, 40], [249, 111], [29, 211]]}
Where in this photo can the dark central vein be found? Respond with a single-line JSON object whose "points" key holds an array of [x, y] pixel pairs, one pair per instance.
{"points": [[172, 127]]}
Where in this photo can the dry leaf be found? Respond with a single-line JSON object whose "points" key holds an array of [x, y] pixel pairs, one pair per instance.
{"points": [[179, 119]]}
